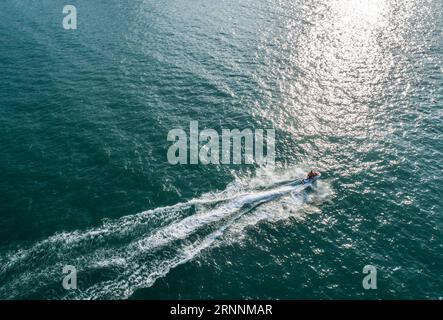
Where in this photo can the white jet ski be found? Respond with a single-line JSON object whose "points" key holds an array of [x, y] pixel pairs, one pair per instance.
{"points": [[311, 180]]}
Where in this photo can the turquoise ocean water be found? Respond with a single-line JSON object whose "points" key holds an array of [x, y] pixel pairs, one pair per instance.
{"points": [[353, 89]]}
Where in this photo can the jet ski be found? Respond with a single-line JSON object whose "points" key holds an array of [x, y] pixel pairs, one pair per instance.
{"points": [[312, 179]]}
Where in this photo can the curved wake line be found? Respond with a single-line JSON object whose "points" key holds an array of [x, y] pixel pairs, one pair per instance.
{"points": [[131, 252]]}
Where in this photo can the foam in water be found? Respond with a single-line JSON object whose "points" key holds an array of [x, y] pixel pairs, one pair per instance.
{"points": [[132, 252]]}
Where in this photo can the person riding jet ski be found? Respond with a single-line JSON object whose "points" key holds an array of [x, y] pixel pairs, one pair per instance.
{"points": [[312, 174]]}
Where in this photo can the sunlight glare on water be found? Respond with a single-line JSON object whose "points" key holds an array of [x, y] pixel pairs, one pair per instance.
{"points": [[353, 88]]}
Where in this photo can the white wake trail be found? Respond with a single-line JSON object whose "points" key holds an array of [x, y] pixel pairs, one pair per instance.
{"points": [[131, 252]]}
